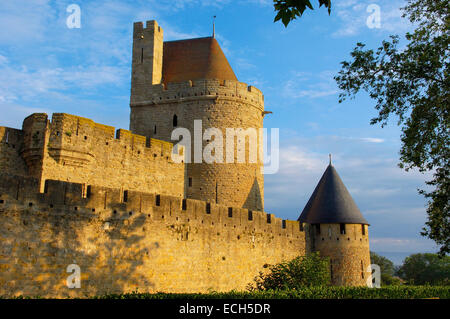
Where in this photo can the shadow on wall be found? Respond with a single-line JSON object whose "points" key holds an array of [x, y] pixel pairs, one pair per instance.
{"points": [[254, 198], [37, 246]]}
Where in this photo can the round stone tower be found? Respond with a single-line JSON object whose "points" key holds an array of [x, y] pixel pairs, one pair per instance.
{"points": [[190, 84], [335, 227]]}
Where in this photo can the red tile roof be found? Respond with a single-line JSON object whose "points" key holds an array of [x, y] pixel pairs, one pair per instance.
{"points": [[195, 59]]}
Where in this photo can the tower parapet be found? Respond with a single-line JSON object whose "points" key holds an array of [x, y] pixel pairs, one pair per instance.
{"points": [[202, 89]]}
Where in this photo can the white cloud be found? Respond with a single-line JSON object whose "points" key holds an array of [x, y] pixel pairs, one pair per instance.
{"points": [[24, 21], [21, 83], [389, 244], [304, 84], [372, 139]]}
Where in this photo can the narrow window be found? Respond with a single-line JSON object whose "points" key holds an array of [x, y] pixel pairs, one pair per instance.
{"points": [[363, 229], [158, 200], [46, 187], [318, 229], [250, 215], [154, 129], [283, 224], [142, 55], [88, 191], [362, 270], [208, 208], [190, 181], [230, 211], [329, 231], [7, 137], [342, 229], [175, 121], [269, 219], [184, 205], [125, 196]]}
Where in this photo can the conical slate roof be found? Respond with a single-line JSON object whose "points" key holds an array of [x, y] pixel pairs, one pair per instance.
{"points": [[331, 203], [194, 59]]}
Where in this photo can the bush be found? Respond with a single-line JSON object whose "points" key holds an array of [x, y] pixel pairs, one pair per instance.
{"points": [[317, 292], [303, 271]]}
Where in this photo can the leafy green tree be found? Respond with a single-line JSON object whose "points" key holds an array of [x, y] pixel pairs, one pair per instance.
{"points": [[303, 271], [386, 266], [423, 269], [387, 269], [412, 83], [288, 10]]}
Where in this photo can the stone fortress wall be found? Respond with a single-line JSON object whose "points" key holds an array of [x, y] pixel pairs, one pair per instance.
{"points": [[75, 149], [138, 241], [73, 191]]}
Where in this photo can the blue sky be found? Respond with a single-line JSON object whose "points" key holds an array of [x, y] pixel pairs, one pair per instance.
{"points": [[47, 67]]}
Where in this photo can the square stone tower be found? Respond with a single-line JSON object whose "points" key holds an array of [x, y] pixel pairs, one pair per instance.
{"points": [[147, 58]]}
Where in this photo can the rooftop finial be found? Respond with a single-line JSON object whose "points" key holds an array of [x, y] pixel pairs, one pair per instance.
{"points": [[214, 27], [330, 157]]}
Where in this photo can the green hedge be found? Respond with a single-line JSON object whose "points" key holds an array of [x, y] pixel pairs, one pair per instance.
{"points": [[389, 292]]}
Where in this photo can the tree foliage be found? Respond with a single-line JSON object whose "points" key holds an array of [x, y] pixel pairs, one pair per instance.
{"points": [[412, 83], [387, 269], [426, 269], [288, 10], [304, 271]]}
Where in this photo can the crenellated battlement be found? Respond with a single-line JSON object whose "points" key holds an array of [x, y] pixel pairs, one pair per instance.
{"points": [[111, 203], [82, 134], [74, 140], [201, 89], [150, 25], [77, 149]]}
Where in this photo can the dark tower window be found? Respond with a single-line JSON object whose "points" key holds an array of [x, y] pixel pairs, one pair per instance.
{"points": [[190, 182], [363, 229], [342, 229], [125, 196], [142, 55], [175, 121], [230, 212], [154, 129], [317, 226]]}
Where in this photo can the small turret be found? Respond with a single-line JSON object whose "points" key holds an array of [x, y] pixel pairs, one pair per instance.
{"points": [[336, 228]]}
